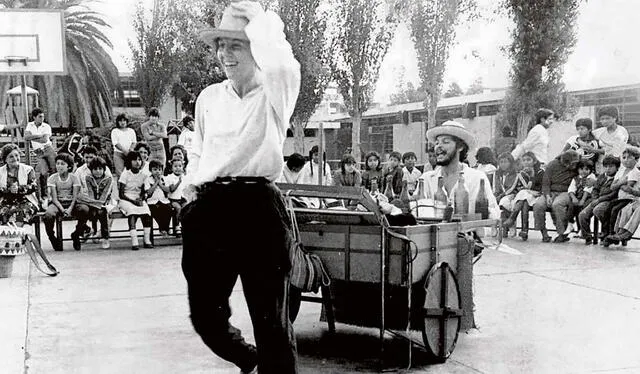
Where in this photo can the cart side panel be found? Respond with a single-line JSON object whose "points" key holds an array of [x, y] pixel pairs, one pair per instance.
{"points": [[328, 242], [446, 247]]}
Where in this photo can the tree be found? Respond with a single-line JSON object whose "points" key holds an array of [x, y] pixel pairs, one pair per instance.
{"points": [[543, 38], [407, 93], [155, 51], [361, 41], [82, 97], [476, 87], [433, 32], [453, 90], [305, 28], [198, 65]]}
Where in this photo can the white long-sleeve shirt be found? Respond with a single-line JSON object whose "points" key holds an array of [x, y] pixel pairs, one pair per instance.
{"points": [[472, 179], [537, 141], [237, 136]]}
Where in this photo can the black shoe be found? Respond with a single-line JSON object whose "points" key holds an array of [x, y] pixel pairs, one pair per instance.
{"points": [[148, 245], [56, 244], [546, 239], [561, 238], [134, 247], [588, 240], [524, 235], [75, 237]]}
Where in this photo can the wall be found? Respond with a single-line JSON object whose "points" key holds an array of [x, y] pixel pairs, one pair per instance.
{"points": [[168, 111]]}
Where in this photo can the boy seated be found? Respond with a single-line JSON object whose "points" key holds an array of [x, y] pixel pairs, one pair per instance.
{"points": [[410, 173], [626, 178], [580, 191], [156, 190], [602, 194], [394, 174], [174, 183], [98, 195], [64, 187], [89, 153]]}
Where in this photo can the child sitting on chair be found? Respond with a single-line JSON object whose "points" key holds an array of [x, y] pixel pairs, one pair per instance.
{"points": [[98, 196], [64, 188], [175, 186], [159, 204], [132, 199]]}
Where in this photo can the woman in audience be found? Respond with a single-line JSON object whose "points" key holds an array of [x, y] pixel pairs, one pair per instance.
{"points": [[18, 185], [531, 179], [372, 170]]}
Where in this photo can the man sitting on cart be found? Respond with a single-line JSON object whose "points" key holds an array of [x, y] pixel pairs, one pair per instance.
{"points": [[452, 142]]}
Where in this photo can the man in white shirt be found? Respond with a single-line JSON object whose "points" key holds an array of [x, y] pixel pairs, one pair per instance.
{"points": [[39, 133], [537, 140], [240, 128], [452, 141], [187, 134]]}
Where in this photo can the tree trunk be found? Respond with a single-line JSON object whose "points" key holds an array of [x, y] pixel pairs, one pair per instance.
{"points": [[523, 126], [432, 107], [355, 136], [298, 136]]}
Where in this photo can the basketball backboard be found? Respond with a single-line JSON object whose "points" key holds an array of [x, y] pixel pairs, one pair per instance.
{"points": [[32, 42]]}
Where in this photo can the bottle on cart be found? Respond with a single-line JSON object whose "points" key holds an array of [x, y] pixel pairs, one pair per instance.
{"points": [[388, 190], [461, 197], [440, 198], [374, 187], [419, 193], [404, 197], [448, 212], [482, 203]]}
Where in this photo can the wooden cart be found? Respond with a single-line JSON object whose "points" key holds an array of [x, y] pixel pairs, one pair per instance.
{"points": [[395, 279]]}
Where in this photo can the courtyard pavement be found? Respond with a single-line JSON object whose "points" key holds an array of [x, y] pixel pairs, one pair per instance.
{"points": [[556, 308]]}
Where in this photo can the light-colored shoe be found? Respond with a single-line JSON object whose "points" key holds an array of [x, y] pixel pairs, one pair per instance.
{"points": [[105, 243], [570, 228]]}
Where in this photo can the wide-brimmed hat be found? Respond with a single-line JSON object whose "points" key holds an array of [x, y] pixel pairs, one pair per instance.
{"points": [[230, 26], [452, 128]]}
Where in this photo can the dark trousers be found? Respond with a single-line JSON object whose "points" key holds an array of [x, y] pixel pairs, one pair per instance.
{"points": [[240, 230], [608, 225], [162, 214], [101, 215]]}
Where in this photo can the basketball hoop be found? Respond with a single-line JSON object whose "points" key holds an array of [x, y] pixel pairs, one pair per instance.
{"points": [[19, 59]]}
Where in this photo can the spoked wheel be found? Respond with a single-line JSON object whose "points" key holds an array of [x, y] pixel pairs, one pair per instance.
{"points": [[442, 312]]}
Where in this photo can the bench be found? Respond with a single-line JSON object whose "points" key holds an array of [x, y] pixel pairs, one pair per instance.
{"points": [[115, 214]]}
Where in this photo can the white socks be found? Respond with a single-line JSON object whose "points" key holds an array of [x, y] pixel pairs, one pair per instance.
{"points": [[147, 235], [134, 237]]}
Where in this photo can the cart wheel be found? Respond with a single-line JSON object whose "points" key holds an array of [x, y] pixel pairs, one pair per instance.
{"points": [[442, 312]]}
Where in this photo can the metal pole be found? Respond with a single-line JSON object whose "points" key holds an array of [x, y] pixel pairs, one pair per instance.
{"points": [[25, 105], [320, 153]]}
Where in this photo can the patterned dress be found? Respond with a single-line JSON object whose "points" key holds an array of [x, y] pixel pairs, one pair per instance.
{"points": [[17, 201]]}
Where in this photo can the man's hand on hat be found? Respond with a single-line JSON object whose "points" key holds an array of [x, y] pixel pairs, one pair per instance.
{"points": [[246, 9]]}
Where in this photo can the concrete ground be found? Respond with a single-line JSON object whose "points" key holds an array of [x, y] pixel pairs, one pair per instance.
{"points": [[563, 308]]}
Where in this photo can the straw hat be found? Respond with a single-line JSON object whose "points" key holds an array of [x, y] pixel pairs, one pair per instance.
{"points": [[229, 27], [452, 128]]}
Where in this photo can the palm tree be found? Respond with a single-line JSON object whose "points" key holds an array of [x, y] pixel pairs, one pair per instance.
{"points": [[83, 96]]}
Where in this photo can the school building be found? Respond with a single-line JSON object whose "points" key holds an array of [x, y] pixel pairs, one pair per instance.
{"points": [[402, 127]]}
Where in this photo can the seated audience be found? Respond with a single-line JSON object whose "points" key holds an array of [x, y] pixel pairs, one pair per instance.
{"points": [[143, 151], [372, 171], [626, 178], [309, 172], [348, 175], [584, 143], [18, 186], [411, 174], [486, 162], [601, 196], [157, 189], [123, 140], [530, 178], [178, 152], [132, 199], [555, 183], [174, 184], [580, 191], [393, 173], [64, 188], [97, 196], [611, 136], [291, 169]]}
